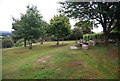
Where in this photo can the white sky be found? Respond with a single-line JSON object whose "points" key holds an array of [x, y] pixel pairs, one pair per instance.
{"points": [[9, 8]]}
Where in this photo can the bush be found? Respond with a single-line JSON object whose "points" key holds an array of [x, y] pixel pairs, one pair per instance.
{"points": [[7, 43]]}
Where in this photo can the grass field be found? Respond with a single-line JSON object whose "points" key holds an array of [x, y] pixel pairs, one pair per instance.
{"points": [[49, 61]]}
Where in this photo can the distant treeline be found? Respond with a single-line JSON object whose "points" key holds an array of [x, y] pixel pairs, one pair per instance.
{"points": [[5, 33]]}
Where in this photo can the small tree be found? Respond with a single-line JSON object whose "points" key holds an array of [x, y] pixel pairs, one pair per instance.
{"points": [[77, 32], [28, 26], [60, 27]]}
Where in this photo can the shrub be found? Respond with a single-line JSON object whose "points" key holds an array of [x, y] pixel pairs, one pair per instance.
{"points": [[7, 43]]}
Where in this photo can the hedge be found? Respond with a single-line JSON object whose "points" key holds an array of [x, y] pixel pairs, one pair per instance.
{"points": [[114, 36]]}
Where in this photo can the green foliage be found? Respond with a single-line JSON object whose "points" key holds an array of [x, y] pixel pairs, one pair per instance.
{"points": [[114, 36], [77, 32], [105, 13], [60, 27], [86, 26], [20, 42], [96, 36], [44, 31], [28, 26], [7, 43], [32, 22]]}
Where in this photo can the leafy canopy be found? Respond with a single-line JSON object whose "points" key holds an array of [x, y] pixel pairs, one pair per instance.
{"points": [[60, 26], [28, 26], [105, 13], [85, 26]]}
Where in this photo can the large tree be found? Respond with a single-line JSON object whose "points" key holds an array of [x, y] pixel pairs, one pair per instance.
{"points": [[105, 13], [28, 26], [60, 27]]}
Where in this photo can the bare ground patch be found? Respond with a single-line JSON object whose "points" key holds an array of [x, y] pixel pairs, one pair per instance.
{"points": [[14, 69], [44, 59], [20, 51], [59, 45], [77, 63]]}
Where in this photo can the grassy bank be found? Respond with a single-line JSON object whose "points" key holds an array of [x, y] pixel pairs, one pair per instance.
{"points": [[49, 61]]}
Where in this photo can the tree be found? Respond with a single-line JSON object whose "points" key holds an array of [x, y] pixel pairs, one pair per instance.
{"points": [[85, 26], [60, 27], [105, 13], [77, 32], [28, 26]]}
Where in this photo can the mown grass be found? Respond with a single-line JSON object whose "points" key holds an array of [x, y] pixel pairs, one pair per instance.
{"points": [[99, 62]]}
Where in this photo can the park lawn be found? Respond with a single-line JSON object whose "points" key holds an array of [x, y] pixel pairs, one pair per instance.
{"points": [[99, 62]]}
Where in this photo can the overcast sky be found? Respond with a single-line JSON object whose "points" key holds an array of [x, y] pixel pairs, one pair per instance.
{"points": [[9, 8]]}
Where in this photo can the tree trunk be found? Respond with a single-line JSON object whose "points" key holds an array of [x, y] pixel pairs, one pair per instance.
{"points": [[30, 44], [106, 37], [42, 41], [24, 42], [58, 42], [76, 40], [62, 41]]}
